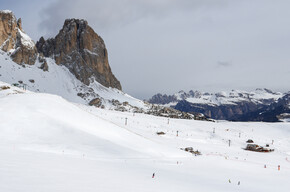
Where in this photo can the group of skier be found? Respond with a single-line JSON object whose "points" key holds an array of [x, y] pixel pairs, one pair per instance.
{"points": [[231, 182]]}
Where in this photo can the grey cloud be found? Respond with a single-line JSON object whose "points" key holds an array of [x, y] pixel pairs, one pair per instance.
{"points": [[111, 14], [224, 64], [169, 45]]}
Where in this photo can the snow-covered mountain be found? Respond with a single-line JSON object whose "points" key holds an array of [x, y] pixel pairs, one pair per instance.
{"points": [[46, 67], [74, 65], [276, 111], [49, 144], [221, 105], [259, 96], [60, 81]]}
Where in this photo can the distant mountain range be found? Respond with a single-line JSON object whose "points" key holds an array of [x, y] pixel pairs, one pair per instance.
{"points": [[235, 105]]}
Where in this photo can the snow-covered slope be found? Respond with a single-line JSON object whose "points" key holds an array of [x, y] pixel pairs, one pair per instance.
{"points": [[58, 80], [49, 144], [48, 122], [26, 40]]}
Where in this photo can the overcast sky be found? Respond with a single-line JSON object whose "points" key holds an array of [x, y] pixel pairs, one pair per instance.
{"points": [[163, 46]]}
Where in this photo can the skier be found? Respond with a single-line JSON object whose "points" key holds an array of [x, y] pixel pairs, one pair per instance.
{"points": [[153, 175], [239, 183], [230, 181]]}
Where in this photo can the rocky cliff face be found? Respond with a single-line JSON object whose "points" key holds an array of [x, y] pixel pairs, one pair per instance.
{"points": [[14, 40], [76, 46], [276, 111], [8, 30], [162, 99], [220, 112], [82, 51]]}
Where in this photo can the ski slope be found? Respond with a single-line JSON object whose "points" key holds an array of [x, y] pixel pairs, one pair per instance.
{"points": [[49, 144]]}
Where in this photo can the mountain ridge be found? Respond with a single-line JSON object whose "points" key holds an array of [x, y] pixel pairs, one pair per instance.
{"points": [[231, 105]]}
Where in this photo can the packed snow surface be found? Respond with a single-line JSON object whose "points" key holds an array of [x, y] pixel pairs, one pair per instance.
{"points": [[49, 144]]}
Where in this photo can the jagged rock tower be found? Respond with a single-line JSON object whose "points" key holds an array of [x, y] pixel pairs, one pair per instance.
{"points": [[82, 51], [14, 40], [76, 46]]}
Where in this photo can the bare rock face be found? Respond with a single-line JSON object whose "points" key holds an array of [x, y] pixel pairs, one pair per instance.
{"points": [[82, 51], [44, 65], [162, 99], [8, 30], [25, 51], [96, 102], [13, 39]]}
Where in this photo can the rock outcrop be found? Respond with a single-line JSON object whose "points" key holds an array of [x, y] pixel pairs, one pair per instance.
{"points": [[14, 40], [82, 51], [8, 30], [162, 99]]}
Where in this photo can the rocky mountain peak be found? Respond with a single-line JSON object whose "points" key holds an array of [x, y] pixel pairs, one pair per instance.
{"points": [[14, 40], [70, 23], [76, 46], [82, 51], [19, 24], [8, 30]]}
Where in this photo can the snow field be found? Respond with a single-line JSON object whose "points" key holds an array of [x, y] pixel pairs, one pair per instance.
{"points": [[49, 144]]}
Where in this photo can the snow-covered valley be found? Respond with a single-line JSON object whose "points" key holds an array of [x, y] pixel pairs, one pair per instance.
{"points": [[49, 144]]}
